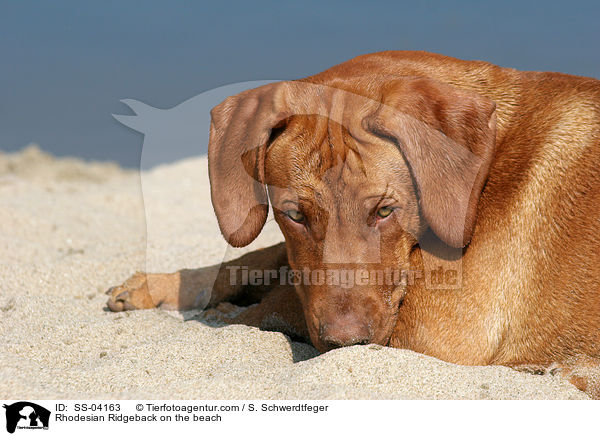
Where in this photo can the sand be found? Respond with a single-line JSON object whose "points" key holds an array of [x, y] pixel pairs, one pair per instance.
{"points": [[70, 230]]}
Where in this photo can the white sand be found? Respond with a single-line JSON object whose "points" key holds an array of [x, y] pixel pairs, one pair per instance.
{"points": [[70, 230]]}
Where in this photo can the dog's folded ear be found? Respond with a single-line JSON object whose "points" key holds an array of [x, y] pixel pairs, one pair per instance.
{"points": [[239, 131], [447, 136]]}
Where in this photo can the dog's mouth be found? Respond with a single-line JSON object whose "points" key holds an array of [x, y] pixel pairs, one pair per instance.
{"points": [[328, 342], [337, 319], [351, 329]]}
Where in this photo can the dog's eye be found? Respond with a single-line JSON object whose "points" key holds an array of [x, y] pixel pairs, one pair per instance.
{"points": [[295, 215], [385, 211]]}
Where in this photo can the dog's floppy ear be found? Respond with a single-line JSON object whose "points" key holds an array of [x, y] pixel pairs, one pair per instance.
{"points": [[239, 131], [447, 136]]}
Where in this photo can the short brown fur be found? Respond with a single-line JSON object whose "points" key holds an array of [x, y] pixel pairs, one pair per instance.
{"points": [[520, 206]]}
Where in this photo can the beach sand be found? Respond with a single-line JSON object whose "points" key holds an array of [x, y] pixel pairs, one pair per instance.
{"points": [[70, 230]]}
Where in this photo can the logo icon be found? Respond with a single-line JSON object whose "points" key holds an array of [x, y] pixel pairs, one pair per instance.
{"points": [[26, 415]]}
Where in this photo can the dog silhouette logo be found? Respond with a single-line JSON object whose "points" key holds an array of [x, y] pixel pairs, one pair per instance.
{"points": [[26, 415], [171, 134], [180, 131]]}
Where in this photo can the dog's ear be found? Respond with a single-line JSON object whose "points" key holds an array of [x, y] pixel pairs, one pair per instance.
{"points": [[447, 136], [239, 131]]}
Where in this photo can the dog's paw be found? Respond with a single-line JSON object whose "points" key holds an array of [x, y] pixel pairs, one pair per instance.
{"points": [[223, 313], [131, 295], [583, 372]]}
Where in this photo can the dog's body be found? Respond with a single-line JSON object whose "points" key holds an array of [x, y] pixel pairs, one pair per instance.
{"points": [[502, 165]]}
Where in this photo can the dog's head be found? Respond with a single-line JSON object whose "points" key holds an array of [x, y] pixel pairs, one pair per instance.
{"points": [[355, 174]]}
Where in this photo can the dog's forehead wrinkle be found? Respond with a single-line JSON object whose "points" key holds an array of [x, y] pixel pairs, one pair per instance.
{"points": [[347, 182], [330, 169]]}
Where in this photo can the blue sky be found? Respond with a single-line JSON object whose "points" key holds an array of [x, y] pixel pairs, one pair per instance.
{"points": [[66, 64]]}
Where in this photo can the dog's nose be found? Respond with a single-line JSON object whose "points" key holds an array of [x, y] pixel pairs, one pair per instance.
{"points": [[344, 331]]}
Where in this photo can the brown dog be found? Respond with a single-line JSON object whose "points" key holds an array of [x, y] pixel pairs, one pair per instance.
{"points": [[480, 184]]}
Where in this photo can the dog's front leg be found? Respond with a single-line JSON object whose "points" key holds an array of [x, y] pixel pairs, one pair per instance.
{"points": [[581, 371], [280, 310], [195, 288]]}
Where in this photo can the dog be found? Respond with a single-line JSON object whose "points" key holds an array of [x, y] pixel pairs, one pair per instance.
{"points": [[480, 184]]}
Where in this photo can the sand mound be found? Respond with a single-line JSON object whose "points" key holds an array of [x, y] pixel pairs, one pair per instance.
{"points": [[70, 230]]}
